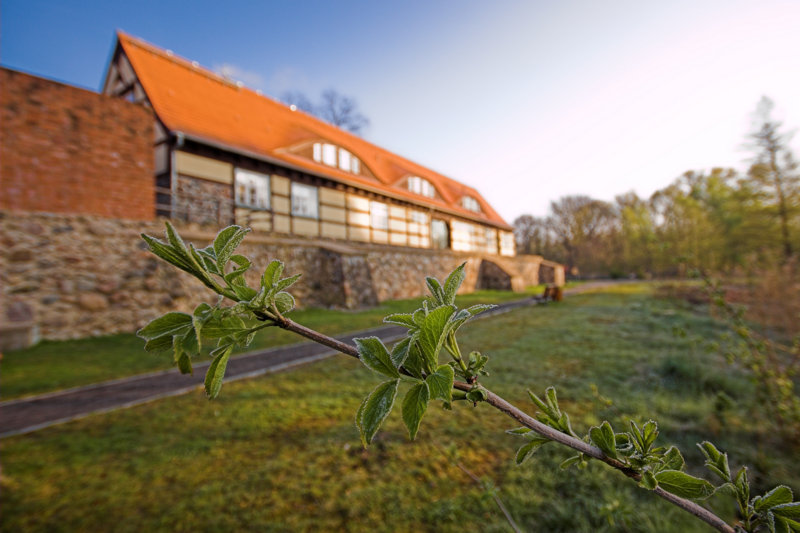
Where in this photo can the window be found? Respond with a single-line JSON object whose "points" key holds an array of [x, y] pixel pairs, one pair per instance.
{"points": [[329, 154], [440, 234], [421, 186], [344, 160], [379, 215], [335, 156], [251, 189], [506, 243], [471, 203], [304, 201], [491, 240]]}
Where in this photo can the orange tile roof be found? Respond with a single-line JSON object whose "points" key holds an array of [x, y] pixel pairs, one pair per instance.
{"points": [[203, 105]]}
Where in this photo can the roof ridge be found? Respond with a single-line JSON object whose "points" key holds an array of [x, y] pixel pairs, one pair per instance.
{"points": [[191, 65]]}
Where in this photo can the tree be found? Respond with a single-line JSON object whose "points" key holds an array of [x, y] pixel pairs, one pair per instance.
{"points": [[531, 234], [774, 170], [334, 108], [579, 224]]}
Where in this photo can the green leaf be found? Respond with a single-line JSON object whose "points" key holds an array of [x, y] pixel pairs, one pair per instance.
{"points": [[414, 405], [226, 243], [272, 274], [413, 362], [432, 334], [778, 496], [436, 290], [374, 355], [218, 326], [452, 283], [683, 485], [168, 253], [791, 526], [519, 431], [648, 480], [200, 315], [175, 239], [787, 510], [716, 461], [375, 408], [159, 344], [528, 449], [552, 402], [570, 461], [236, 276], [400, 352], [285, 283], [673, 460], [649, 434], [476, 394], [603, 437], [441, 383], [185, 363], [401, 319], [169, 324], [479, 308], [284, 302], [216, 371]]}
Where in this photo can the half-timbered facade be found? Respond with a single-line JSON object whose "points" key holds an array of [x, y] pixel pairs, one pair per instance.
{"points": [[225, 153]]}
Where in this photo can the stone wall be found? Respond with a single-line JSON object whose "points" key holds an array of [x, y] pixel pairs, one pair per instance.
{"points": [[73, 276], [69, 150]]}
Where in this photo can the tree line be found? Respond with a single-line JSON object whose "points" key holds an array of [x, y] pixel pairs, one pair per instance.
{"points": [[715, 220]]}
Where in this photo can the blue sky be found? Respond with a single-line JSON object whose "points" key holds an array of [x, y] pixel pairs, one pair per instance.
{"points": [[526, 101]]}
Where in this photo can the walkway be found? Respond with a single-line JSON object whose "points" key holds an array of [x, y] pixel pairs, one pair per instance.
{"points": [[25, 415]]}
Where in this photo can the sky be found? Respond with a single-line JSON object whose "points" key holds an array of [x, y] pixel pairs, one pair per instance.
{"points": [[527, 101]]}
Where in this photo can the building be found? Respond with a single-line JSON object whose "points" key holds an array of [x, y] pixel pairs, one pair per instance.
{"points": [[228, 154]]}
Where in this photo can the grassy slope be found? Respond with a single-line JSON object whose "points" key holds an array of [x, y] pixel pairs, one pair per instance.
{"points": [[53, 365], [280, 453]]}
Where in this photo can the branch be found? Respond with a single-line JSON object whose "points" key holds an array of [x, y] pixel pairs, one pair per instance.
{"points": [[528, 421]]}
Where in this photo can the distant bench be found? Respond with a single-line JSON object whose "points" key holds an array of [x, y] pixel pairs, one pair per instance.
{"points": [[553, 293]]}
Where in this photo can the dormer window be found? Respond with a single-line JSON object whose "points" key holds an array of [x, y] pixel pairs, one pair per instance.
{"points": [[468, 202], [334, 156], [421, 186]]}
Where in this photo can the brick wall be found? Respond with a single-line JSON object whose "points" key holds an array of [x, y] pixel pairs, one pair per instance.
{"points": [[69, 150]]}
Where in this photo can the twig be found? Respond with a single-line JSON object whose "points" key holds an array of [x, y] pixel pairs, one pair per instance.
{"points": [[528, 421]]}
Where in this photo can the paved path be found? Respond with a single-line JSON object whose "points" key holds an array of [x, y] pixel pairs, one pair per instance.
{"points": [[30, 414]]}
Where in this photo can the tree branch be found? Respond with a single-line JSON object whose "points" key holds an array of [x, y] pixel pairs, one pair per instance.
{"points": [[528, 421]]}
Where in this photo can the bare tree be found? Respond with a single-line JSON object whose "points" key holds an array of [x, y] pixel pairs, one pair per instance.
{"points": [[334, 108], [579, 224], [341, 111], [774, 170], [299, 100], [531, 234]]}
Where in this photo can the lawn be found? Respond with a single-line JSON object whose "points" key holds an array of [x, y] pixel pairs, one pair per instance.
{"points": [[54, 365], [281, 453]]}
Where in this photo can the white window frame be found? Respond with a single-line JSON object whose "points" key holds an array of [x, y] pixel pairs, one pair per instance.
{"points": [[329, 154], [251, 189], [305, 201], [345, 159], [421, 186], [470, 203], [378, 215]]}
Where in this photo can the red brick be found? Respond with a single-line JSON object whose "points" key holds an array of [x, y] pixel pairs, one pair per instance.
{"points": [[69, 150]]}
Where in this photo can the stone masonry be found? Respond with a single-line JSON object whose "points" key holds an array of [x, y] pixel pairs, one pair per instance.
{"points": [[73, 276]]}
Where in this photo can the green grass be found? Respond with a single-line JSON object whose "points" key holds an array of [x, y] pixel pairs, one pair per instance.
{"points": [[281, 453], [54, 365]]}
